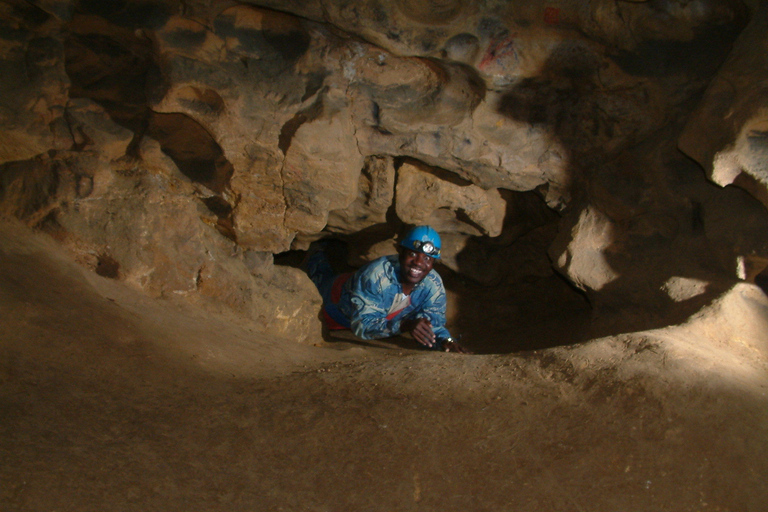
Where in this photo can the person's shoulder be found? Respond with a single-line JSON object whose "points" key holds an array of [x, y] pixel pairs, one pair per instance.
{"points": [[381, 264], [389, 260], [434, 278]]}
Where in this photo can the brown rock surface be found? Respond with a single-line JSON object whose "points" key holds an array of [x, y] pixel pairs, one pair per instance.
{"points": [[727, 132], [216, 135], [185, 153], [448, 204], [147, 404], [33, 94]]}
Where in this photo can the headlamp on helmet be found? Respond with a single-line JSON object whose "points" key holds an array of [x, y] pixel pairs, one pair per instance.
{"points": [[423, 239]]}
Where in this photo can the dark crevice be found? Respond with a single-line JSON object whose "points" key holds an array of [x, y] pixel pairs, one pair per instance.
{"points": [[223, 211], [27, 187], [113, 73], [194, 151], [462, 216], [124, 13], [290, 128], [280, 42], [702, 55], [437, 172], [314, 84], [107, 266]]}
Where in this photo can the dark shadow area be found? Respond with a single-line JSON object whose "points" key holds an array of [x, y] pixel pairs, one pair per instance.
{"points": [[507, 296], [114, 66], [111, 66], [194, 151], [762, 281], [625, 168], [27, 187], [291, 126], [700, 55]]}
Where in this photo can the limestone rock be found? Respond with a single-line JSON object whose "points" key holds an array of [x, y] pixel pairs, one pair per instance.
{"points": [[416, 94], [302, 161], [422, 197], [94, 131], [727, 134], [216, 77], [33, 83], [680, 289], [321, 168], [415, 107], [376, 191], [138, 221], [581, 253]]}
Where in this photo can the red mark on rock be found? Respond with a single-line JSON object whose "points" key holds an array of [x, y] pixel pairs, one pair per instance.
{"points": [[498, 49]]}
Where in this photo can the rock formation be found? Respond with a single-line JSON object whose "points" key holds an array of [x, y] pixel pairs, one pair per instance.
{"points": [[180, 145]]}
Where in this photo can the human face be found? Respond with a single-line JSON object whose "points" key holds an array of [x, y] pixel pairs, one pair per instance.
{"points": [[414, 266]]}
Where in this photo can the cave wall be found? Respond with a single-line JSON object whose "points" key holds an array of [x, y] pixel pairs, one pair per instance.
{"points": [[179, 146], [727, 132]]}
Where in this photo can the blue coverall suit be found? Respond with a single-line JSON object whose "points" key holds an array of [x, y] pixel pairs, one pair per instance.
{"points": [[363, 301]]}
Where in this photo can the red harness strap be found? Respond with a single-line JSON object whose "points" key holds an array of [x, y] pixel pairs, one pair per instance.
{"points": [[395, 313], [336, 288]]}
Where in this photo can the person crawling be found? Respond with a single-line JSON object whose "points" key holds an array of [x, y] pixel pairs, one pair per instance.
{"points": [[391, 295]]}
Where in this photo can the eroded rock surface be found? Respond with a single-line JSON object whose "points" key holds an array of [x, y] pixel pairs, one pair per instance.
{"points": [[727, 134], [180, 145]]}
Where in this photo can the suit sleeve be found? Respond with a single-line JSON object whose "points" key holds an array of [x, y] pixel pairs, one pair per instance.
{"points": [[369, 316], [433, 306]]}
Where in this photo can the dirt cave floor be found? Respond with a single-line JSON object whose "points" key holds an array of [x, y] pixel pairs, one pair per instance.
{"points": [[113, 401]]}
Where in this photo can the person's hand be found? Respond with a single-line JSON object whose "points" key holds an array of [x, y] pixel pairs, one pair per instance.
{"points": [[421, 330]]}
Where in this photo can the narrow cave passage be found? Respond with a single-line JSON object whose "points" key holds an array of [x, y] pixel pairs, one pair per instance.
{"points": [[503, 294]]}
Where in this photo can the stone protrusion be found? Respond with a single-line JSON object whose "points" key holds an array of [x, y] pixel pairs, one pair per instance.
{"points": [[728, 132], [449, 205]]}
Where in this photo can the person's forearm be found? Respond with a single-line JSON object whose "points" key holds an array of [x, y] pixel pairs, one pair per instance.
{"points": [[371, 329]]}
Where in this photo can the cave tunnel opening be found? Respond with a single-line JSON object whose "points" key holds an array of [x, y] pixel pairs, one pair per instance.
{"points": [[503, 293], [508, 295]]}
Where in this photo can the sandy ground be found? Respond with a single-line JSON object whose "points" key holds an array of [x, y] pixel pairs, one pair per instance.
{"points": [[112, 401]]}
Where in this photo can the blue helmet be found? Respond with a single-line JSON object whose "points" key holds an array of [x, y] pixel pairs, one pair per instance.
{"points": [[423, 239]]}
